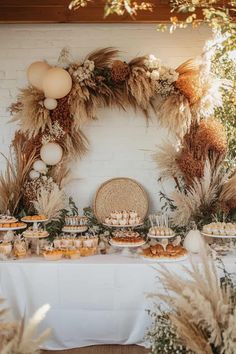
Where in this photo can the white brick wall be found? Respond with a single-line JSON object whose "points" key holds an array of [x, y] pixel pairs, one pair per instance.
{"points": [[121, 142]]}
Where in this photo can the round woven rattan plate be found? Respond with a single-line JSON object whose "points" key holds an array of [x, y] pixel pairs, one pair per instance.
{"points": [[120, 194]]}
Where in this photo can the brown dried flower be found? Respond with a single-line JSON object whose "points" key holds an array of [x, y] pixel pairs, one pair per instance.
{"points": [[190, 166], [119, 71]]}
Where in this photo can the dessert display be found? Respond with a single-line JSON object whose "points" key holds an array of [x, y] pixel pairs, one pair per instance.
{"points": [[52, 254], [7, 219], [123, 218], [13, 225], [160, 227], [127, 238], [20, 248], [35, 233], [75, 224], [160, 231], [220, 229], [160, 253], [5, 248], [34, 218]]}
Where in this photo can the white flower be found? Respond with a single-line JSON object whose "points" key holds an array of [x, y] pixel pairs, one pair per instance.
{"points": [[152, 62], [155, 75]]}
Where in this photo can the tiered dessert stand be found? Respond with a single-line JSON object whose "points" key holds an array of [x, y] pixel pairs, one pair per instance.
{"points": [[7, 233], [81, 229], [35, 239], [159, 220], [126, 249]]}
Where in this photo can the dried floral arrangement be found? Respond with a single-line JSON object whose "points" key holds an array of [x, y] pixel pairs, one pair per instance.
{"points": [[20, 337], [202, 163], [201, 311], [52, 110]]}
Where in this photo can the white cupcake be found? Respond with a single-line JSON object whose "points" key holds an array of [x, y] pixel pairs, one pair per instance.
{"points": [[133, 214], [108, 221], [119, 215], [125, 214], [122, 222], [132, 221], [113, 214], [78, 242]]}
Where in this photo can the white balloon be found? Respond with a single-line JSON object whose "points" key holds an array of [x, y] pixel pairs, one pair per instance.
{"points": [[51, 153], [34, 174], [39, 166], [50, 103]]}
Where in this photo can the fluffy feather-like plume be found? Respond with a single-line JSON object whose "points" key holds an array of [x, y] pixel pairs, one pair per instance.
{"points": [[30, 112], [228, 192], [199, 197], [103, 57], [16, 174], [166, 158], [51, 202], [20, 338], [202, 311], [174, 113]]}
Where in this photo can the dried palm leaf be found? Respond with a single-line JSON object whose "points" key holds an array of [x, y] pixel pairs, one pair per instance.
{"points": [[202, 311], [75, 144], [16, 174], [60, 173], [166, 158], [51, 202], [32, 115], [103, 57]]}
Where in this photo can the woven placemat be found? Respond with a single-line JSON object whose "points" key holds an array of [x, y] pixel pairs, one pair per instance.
{"points": [[120, 194]]}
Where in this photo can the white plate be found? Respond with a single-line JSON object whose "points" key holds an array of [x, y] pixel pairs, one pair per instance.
{"points": [[33, 221], [161, 237], [218, 236], [123, 226], [12, 228], [165, 260], [127, 246], [75, 231], [35, 237]]}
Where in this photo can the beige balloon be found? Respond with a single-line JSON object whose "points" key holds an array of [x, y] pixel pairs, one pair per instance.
{"points": [[57, 83], [51, 153], [36, 72]]}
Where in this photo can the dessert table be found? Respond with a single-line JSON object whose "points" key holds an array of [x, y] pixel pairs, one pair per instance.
{"points": [[93, 300]]}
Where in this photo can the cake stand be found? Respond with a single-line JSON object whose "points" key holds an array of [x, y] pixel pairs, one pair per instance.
{"points": [[7, 233], [222, 238], [34, 222], [159, 237], [78, 231], [37, 239], [126, 249]]}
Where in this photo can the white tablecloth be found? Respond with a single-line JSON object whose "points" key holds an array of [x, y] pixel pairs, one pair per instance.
{"points": [[94, 300]]}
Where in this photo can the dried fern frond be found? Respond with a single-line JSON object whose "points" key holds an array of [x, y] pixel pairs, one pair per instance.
{"points": [[32, 115], [202, 311], [51, 202], [16, 174], [166, 159], [174, 113], [103, 57]]}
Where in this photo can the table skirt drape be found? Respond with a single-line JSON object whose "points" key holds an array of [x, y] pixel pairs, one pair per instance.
{"points": [[93, 300]]}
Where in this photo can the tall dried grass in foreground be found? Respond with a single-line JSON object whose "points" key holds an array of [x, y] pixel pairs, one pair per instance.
{"points": [[202, 311], [20, 338]]}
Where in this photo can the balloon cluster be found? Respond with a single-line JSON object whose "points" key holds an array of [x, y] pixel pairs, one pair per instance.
{"points": [[56, 83]]}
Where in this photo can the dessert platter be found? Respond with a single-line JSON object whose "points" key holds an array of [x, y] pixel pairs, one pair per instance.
{"points": [[9, 224], [127, 240], [75, 224], [83, 246], [224, 235], [35, 234], [160, 253], [219, 230], [160, 227], [123, 218], [34, 219]]}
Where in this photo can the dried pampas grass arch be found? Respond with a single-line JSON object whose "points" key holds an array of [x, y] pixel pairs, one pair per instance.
{"points": [[176, 97]]}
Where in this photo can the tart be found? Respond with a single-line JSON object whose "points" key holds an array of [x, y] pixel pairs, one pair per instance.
{"points": [[12, 225], [34, 218], [52, 255], [220, 229]]}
